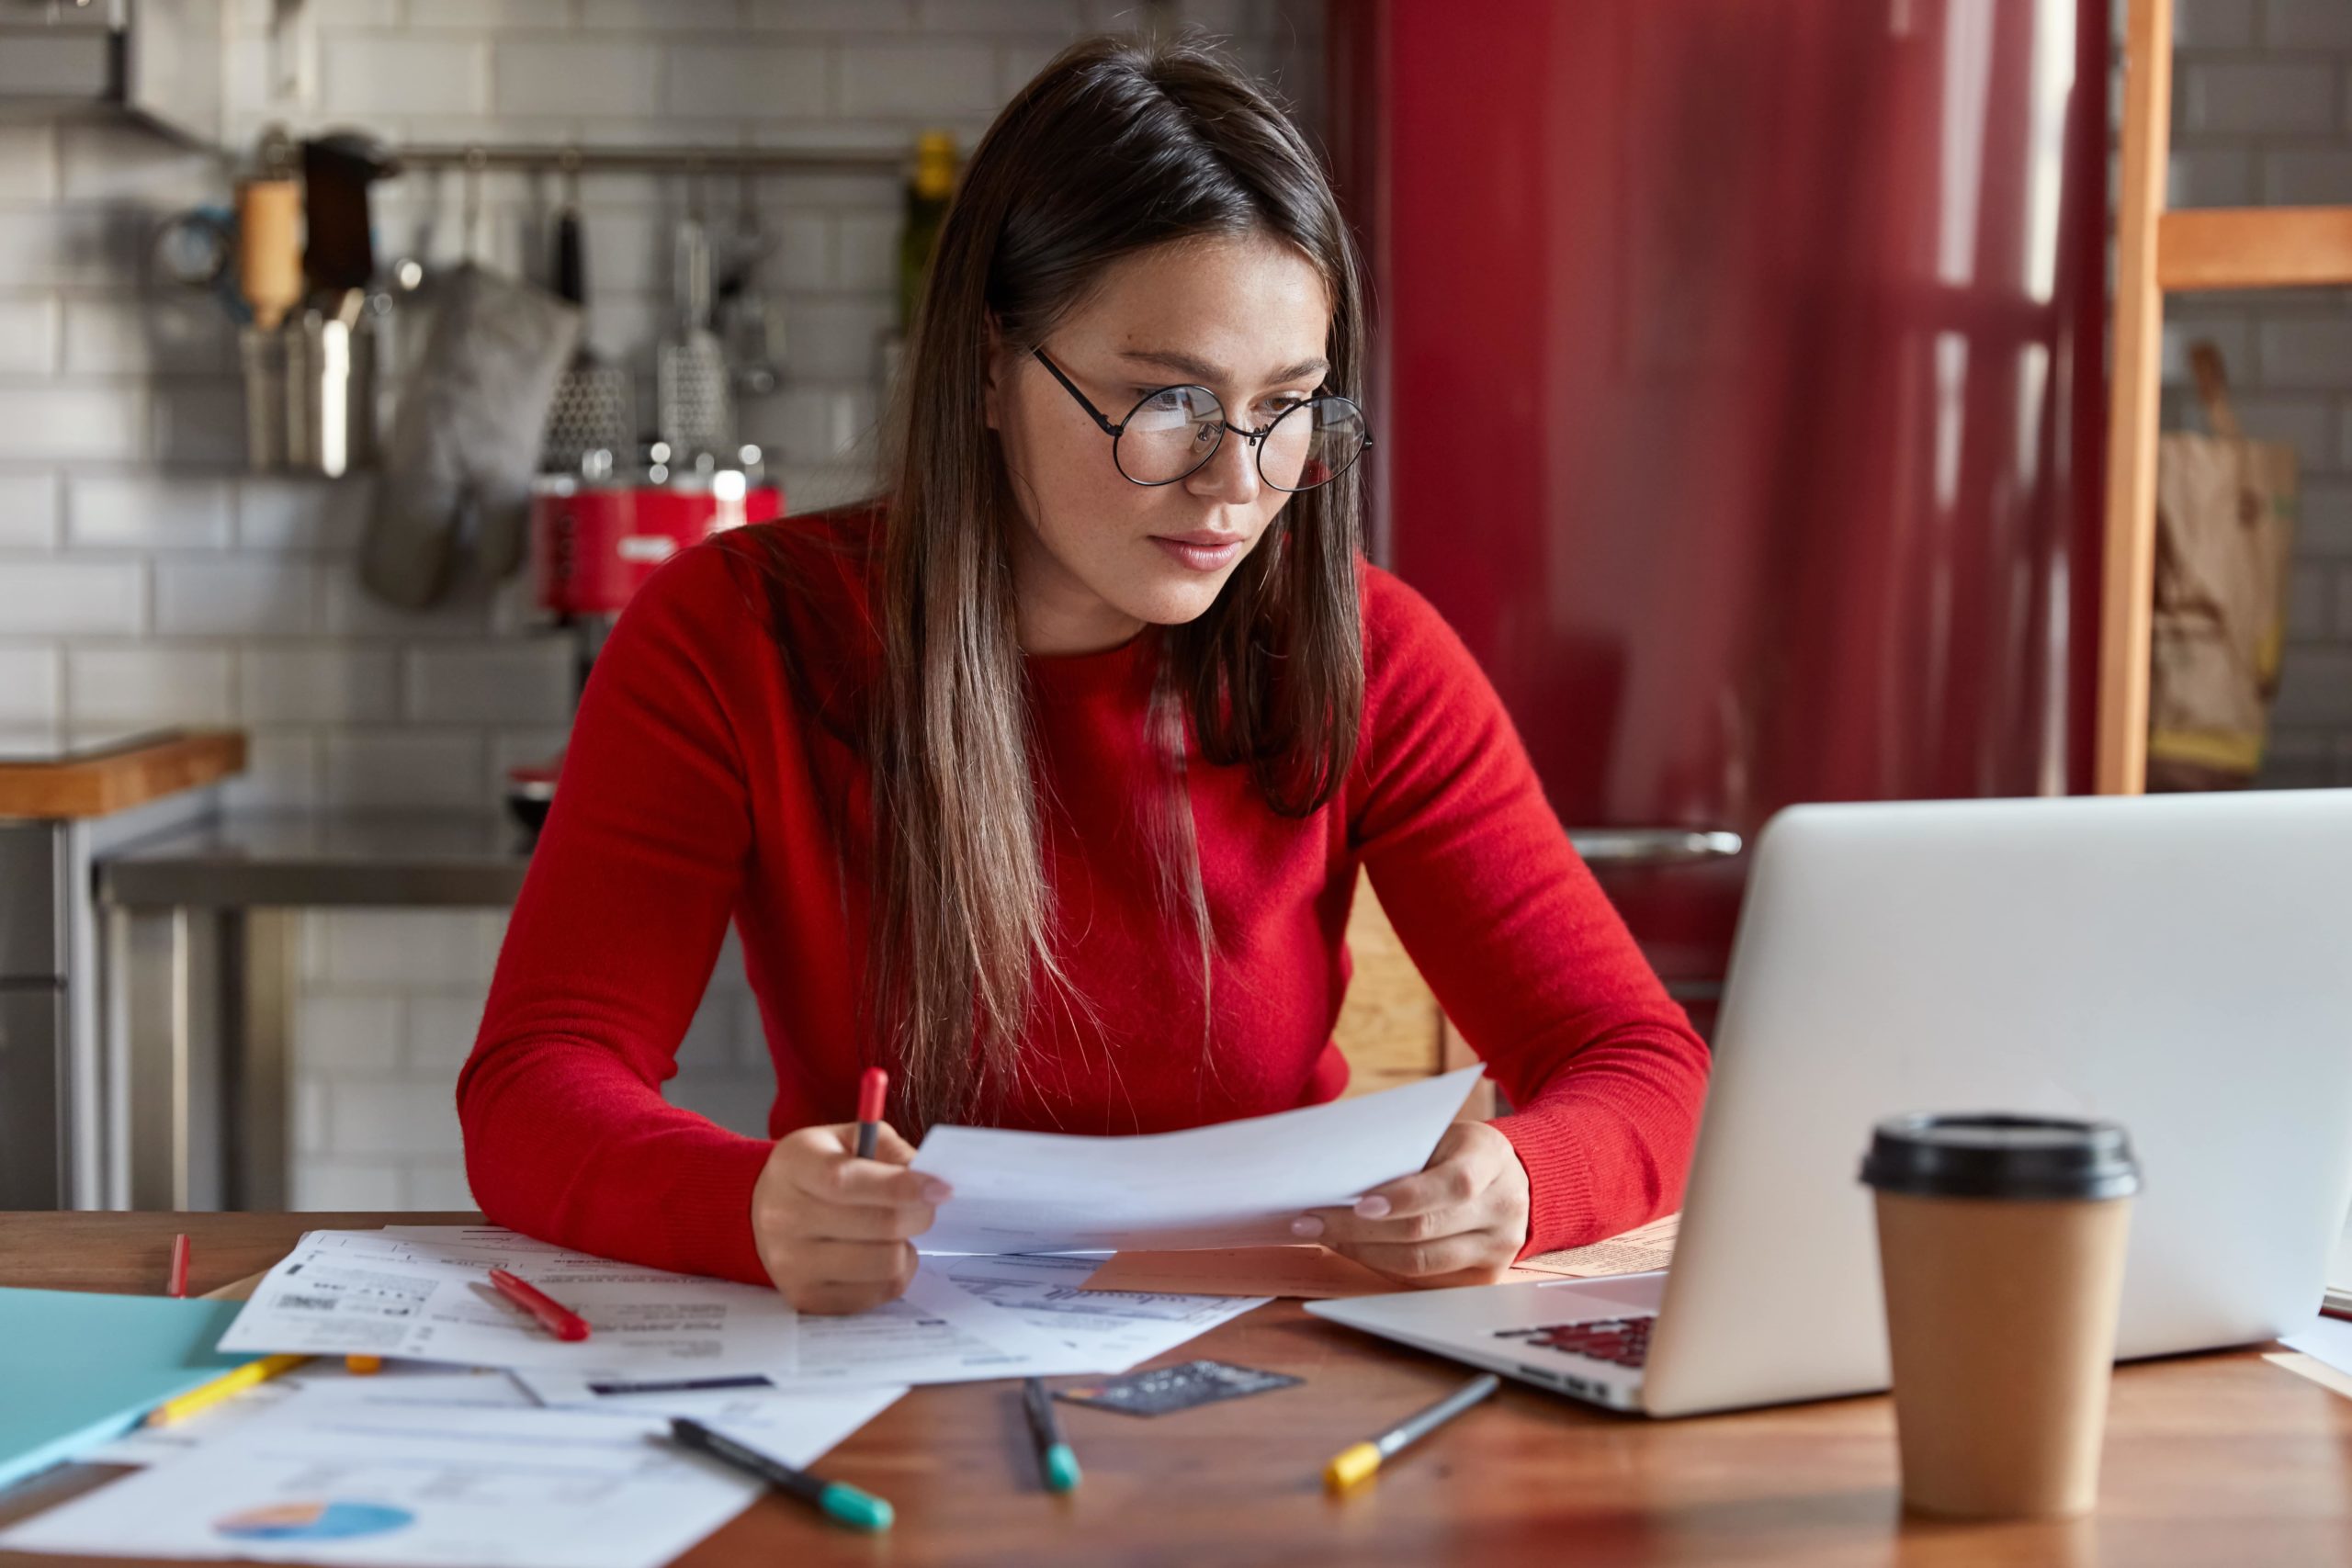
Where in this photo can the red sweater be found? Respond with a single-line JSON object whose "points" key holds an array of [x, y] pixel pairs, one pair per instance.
{"points": [[690, 797]]}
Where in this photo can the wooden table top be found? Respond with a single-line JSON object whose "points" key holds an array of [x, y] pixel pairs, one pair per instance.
{"points": [[2210, 1460]]}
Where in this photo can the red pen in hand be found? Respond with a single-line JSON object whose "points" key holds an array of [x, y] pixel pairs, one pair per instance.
{"points": [[553, 1315], [872, 1090]]}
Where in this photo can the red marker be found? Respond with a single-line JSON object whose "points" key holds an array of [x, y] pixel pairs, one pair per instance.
{"points": [[178, 1285], [872, 1090], [553, 1315]]}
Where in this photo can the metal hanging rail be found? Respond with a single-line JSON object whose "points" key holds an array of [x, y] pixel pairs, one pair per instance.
{"points": [[685, 160]]}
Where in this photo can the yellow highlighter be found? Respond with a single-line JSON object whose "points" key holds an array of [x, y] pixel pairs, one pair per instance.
{"points": [[1354, 1463], [226, 1386]]}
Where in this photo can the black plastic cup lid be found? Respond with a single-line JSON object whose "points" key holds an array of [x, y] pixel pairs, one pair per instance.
{"points": [[1994, 1156]]}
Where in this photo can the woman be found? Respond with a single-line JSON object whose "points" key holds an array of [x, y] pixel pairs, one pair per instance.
{"points": [[1044, 782]]}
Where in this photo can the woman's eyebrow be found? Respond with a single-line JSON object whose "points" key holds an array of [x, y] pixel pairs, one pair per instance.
{"points": [[1209, 375]]}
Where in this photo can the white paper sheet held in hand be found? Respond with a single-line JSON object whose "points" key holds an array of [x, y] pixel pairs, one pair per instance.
{"points": [[406, 1472], [424, 1294], [1235, 1184]]}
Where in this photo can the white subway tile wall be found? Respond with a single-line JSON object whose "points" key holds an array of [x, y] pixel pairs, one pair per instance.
{"points": [[389, 1004], [2215, 24], [27, 337], [68, 598], [28, 161], [30, 507], [2263, 116], [318, 683], [31, 681], [2230, 96], [153, 684], [154, 511], [145, 579]]}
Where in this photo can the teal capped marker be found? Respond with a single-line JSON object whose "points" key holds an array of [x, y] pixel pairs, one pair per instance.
{"points": [[859, 1510], [1056, 1458]]}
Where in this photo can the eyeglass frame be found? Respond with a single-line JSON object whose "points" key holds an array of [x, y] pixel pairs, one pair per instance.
{"points": [[1257, 439]]}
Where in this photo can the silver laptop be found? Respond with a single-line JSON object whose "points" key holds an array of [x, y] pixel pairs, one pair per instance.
{"points": [[2180, 963]]}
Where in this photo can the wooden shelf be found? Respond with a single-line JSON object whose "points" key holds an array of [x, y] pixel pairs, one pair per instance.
{"points": [[2156, 253], [133, 774], [2254, 247]]}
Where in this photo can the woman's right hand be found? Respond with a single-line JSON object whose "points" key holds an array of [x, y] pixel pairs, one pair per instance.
{"points": [[835, 1231]]}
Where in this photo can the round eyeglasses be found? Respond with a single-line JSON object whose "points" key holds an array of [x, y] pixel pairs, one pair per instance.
{"points": [[1171, 432]]}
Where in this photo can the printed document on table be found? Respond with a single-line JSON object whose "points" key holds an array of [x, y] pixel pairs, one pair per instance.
{"points": [[1234, 1184], [796, 1426], [2328, 1339], [1109, 1331], [153, 1444], [387, 1475], [2311, 1367], [426, 1296], [799, 1428], [936, 1333]]}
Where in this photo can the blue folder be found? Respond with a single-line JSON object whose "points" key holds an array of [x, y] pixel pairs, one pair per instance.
{"points": [[77, 1368]]}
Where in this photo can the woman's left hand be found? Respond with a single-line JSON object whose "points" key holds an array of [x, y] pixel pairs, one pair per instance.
{"points": [[1459, 1221]]}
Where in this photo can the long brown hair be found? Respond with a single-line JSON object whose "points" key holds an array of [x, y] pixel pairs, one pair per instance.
{"points": [[1117, 145]]}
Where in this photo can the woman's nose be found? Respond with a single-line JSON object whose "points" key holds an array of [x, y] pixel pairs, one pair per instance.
{"points": [[1231, 473]]}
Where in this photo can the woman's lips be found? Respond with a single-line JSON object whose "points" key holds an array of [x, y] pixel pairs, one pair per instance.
{"points": [[1202, 558]]}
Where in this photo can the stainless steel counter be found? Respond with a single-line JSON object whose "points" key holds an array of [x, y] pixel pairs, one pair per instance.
{"points": [[346, 858], [62, 807], [201, 931]]}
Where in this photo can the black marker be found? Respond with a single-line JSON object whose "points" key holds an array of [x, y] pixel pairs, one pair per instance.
{"points": [[1056, 1459], [859, 1510]]}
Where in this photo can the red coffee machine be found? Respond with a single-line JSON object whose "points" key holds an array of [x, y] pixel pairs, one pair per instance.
{"points": [[597, 536]]}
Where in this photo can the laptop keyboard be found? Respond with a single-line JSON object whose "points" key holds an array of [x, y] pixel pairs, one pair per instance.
{"points": [[1620, 1341]]}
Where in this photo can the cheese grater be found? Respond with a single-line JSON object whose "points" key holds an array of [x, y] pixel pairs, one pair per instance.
{"points": [[695, 412], [594, 405]]}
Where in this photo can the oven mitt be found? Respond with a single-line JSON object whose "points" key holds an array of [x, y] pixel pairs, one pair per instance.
{"points": [[465, 441]]}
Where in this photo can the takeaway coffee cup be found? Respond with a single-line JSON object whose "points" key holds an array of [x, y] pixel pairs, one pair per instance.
{"points": [[2001, 1247]]}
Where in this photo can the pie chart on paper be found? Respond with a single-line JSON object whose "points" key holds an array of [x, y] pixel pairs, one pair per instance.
{"points": [[329, 1519]]}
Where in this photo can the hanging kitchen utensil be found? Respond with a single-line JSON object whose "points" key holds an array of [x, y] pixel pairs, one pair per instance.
{"points": [[595, 407], [269, 277], [197, 250], [330, 386], [747, 327], [269, 247], [309, 356], [465, 436], [695, 411], [329, 347], [337, 169]]}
